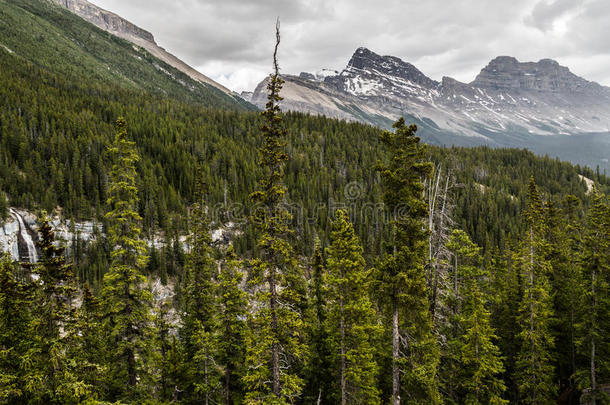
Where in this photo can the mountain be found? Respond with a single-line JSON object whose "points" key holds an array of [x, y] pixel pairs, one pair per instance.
{"points": [[534, 104], [122, 28], [48, 36]]}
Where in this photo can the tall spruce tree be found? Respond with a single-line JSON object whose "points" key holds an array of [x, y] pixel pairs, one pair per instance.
{"points": [[402, 277], [126, 300], [275, 344], [479, 358], [594, 319], [506, 294], [534, 364], [88, 350], [168, 358], [564, 234], [15, 334], [54, 326], [319, 371], [200, 328], [352, 322], [233, 303]]}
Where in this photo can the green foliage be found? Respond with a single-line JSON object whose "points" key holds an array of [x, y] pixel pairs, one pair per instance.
{"points": [[3, 205], [319, 369], [534, 363], [564, 236], [351, 323], [125, 299], [402, 282], [52, 375], [167, 360], [275, 344], [200, 329], [88, 345], [15, 335], [232, 313], [479, 361], [593, 324], [505, 297], [54, 128], [536, 301]]}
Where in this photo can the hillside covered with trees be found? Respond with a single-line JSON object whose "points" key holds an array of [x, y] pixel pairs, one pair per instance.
{"points": [[362, 266]]}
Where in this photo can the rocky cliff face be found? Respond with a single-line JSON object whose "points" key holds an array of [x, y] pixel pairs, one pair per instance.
{"points": [[122, 28], [106, 20], [19, 234], [508, 104], [380, 71], [507, 73]]}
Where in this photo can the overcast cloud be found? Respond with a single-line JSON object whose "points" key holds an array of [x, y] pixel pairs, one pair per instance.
{"points": [[231, 41]]}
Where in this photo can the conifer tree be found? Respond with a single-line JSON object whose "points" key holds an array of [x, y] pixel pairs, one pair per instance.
{"points": [[594, 319], [200, 329], [534, 372], [402, 277], [15, 334], [169, 360], [232, 312], [479, 358], [89, 344], [3, 205], [506, 294], [319, 368], [275, 344], [351, 322], [54, 326], [126, 300], [564, 230]]}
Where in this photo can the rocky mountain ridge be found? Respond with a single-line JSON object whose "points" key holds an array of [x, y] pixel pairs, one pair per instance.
{"points": [[508, 102], [120, 27]]}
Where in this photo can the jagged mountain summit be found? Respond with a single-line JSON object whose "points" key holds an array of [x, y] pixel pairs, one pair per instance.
{"points": [[510, 103], [122, 28]]}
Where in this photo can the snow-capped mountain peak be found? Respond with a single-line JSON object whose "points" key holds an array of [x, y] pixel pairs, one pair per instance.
{"points": [[508, 103]]}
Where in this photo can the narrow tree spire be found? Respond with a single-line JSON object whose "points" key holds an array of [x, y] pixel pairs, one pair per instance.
{"points": [[402, 278], [275, 343], [126, 301]]}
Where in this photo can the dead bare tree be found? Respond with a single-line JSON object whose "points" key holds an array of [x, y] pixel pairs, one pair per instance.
{"points": [[439, 192]]}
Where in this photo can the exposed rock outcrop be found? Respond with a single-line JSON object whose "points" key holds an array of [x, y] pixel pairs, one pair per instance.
{"points": [[118, 26], [19, 234]]}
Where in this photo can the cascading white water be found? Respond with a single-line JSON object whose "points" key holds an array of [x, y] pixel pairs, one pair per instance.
{"points": [[32, 254]]}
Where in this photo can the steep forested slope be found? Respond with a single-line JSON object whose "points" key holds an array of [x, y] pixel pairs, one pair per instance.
{"points": [[58, 41], [54, 130], [331, 300]]}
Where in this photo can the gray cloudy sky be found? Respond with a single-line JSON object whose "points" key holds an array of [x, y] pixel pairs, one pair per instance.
{"points": [[231, 41]]}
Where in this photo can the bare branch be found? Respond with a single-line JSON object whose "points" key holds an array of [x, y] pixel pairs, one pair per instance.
{"points": [[276, 67]]}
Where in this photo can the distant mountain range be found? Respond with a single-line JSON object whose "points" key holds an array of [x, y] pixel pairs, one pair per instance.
{"points": [[537, 105], [540, 106]]}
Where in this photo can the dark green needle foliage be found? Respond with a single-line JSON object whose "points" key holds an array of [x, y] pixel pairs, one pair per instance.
{"points": [[275, 344], [352, 322], [534, 364], [253, 320], [126, 300], [478, 357], [402, 283]]}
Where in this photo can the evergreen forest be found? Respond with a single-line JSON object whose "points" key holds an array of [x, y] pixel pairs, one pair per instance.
{"points": [[355, 265]]}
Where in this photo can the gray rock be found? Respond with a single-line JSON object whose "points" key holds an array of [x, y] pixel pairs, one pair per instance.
{"points": [[508, 104], [118, 26]]}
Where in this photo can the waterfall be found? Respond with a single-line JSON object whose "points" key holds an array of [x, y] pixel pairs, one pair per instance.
{"points": [[27, 239]]}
